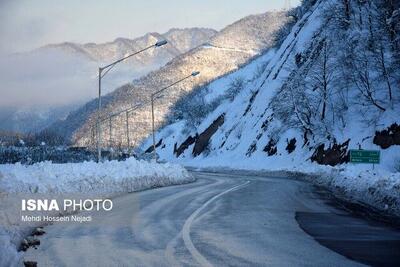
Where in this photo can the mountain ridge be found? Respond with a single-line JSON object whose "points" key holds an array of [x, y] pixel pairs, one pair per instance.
{"points": [[93, 51], [68, 65], [212, 62]]}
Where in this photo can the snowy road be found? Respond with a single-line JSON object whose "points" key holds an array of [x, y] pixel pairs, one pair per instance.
{"points": [[220, 220]]}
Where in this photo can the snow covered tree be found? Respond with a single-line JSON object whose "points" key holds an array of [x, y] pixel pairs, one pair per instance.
{"points": [[235, 86], [321, 76]]}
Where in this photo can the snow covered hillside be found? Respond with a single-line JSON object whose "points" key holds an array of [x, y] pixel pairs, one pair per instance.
{"points": [[331, 84], [88, 178], [225, 52]]}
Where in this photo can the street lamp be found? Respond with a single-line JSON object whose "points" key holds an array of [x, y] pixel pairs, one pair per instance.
{"points": [[126, 111], [106, 69], [193, 74]]}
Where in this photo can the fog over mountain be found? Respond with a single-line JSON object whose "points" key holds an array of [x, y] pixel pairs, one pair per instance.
{"points": [[36, 85]]}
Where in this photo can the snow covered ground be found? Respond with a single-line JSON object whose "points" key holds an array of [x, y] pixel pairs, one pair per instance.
{"points": [[88, 178]]}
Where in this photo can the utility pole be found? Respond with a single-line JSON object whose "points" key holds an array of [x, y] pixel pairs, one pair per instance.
{"points": [[98, 119], [153, 129], [127, 128], [92, 136], [101, 75], [193, 74], [110, 125], [127, 112]]}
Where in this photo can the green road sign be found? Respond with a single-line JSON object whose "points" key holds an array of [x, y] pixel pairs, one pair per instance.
{"points": [[365, 156]]}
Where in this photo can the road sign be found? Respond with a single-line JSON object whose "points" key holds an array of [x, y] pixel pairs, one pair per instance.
{"points": [[365, 156]]}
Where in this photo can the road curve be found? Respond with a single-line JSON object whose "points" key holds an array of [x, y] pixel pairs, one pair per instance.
{"points": [[223, 219]]}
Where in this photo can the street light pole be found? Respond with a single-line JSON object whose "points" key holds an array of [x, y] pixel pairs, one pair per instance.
{"points": [[193, 74], [98, 119], [110, 125], [127, 111], [127, 129], [153, 129], [107, 68]]}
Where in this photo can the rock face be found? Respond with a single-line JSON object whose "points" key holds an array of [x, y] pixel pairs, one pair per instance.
{"points": [[335, 154], [204, 138], [185, 145], [30, 263], [388, 137], [200, 141], [291, 145], [151, 148], [29, 242], [223, 53], [271, 148]]}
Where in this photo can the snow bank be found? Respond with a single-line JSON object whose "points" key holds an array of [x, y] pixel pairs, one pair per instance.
{"points": [[89, 177], [104, 179], [379, 189]]}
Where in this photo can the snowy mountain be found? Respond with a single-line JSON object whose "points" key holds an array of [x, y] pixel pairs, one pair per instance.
{"points": [[180, 41], [66, 74], [224, 53], [331, 84]]}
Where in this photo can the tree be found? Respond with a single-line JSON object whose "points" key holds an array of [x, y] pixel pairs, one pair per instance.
{"points": [[346, 4], [322, 75], [364, 83], [384, 70], [236, 85]]}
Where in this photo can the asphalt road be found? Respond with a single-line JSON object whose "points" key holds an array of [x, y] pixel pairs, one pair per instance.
{"points": [[221, 220]]}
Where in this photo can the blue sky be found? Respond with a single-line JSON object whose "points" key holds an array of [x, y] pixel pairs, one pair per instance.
{"points": [[27, 24]]}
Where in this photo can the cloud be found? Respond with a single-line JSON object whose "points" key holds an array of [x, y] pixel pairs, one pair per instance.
{"points": [[50, 77], [45, 78]]}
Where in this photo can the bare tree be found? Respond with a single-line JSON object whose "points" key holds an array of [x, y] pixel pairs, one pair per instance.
{"points": [[346, 4], [363, 81], [384, 70], [322, 75]]}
